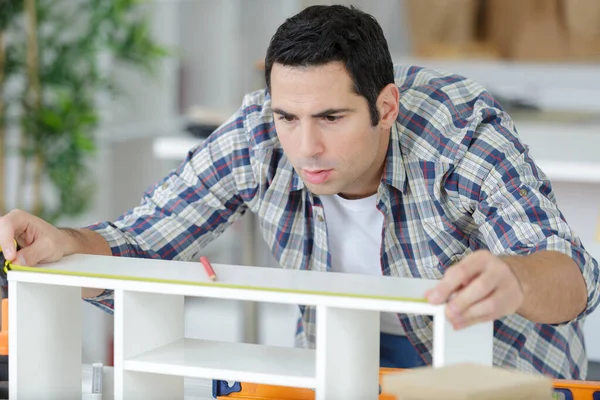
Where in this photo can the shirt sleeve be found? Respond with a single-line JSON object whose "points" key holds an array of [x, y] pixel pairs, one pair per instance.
{"points": [[190, 207], [516, 212]]}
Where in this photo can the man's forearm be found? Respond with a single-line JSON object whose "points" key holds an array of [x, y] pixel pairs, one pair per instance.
{"points": [[553, 286], [85, 241]]}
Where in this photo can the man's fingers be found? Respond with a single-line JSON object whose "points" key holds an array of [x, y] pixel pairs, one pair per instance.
{"points": [[30, 255], [478, 289], [487, 309], [8, 248], [456, 276], [38, 239], [9, 230]]}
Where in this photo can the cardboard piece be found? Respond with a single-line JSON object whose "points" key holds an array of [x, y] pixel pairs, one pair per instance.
{"points": [[446, 29], [467, 382], [544, 30], [526, 30]]}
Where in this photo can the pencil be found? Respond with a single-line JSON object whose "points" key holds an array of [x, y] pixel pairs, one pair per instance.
{"points": [[208, 268]]}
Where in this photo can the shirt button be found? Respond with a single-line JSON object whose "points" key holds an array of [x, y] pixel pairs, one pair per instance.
{"points": [[523, 192], [320, 218]]}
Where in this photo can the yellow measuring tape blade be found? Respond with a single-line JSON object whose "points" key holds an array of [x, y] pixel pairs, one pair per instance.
{"points": [[47, 270]]}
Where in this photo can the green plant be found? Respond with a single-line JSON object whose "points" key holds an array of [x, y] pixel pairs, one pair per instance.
{"points": [[55, 48]]}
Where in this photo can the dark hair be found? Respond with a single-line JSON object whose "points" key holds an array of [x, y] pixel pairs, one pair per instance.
{"points": [[322, 34]]}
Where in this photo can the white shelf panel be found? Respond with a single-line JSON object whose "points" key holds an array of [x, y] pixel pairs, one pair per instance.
{"points": [[174, 147], [577, 88], [216, 292], [230, 361], [571, 171], [237, 282]]}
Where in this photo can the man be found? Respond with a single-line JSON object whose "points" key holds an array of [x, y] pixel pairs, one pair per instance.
{"points": [[355, 166]]}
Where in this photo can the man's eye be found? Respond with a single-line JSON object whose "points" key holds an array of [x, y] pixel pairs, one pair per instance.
{"points": [[332, 118], [286, 118]]}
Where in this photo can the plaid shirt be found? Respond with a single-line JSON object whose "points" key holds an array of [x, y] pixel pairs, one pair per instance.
{"points": [[457, 179]]}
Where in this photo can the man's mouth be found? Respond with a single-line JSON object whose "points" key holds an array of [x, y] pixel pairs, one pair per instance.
{"points": [[317, 176]]}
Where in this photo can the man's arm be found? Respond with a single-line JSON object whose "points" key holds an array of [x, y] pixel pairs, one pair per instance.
{"points": [[553, 287], [176, 218], [531, 262], [85, 241], [190, 207], [544, 287]]}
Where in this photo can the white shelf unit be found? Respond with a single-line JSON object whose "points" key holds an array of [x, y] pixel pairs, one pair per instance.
{"points": [[152, 355]]}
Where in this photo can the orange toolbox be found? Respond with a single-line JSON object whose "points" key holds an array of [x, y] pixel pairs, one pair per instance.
{"points": [[563, 390]]}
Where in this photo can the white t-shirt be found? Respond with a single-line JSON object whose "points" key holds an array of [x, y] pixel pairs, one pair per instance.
{"points": [[354, 231]]}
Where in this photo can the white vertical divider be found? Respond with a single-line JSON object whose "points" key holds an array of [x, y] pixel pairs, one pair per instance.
{"points": [[144, 322], [472, 344], [347, 362], [44, 341]]}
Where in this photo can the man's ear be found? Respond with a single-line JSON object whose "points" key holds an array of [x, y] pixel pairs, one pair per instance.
{"points": [[387, 104]]}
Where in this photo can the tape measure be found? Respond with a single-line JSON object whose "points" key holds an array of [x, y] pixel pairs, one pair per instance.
{"points": [[5, 265]]}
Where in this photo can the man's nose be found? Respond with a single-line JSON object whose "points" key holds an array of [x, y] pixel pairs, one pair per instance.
{"points": [[310, 141]]}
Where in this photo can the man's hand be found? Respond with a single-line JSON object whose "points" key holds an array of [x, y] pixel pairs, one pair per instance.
{"points": [[40, 241], [480, 288]]}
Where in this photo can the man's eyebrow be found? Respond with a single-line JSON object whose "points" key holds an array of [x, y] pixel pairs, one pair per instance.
{"points": [[332, 111], [282, 112], [321, 114]]}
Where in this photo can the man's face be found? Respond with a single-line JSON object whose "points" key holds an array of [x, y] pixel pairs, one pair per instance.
{"points": [[325, 129]]}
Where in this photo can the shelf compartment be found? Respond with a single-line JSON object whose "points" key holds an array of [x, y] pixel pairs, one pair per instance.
{"points": [[229, 361]]}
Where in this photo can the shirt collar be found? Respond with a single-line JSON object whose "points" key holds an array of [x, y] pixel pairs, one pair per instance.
{"points": [[394, 172], [296, 182]]}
